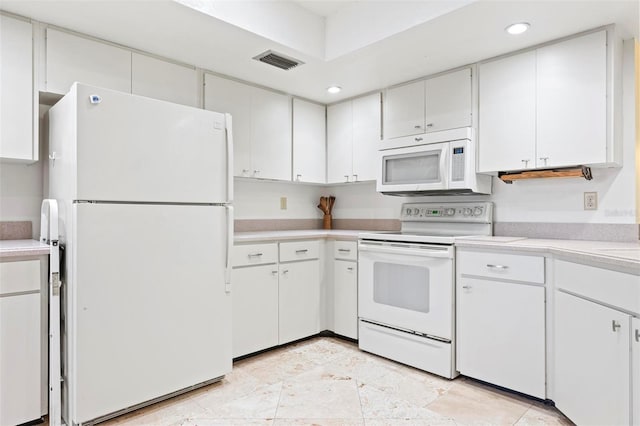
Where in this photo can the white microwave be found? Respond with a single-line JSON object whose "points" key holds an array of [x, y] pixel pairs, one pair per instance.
{"points": [[431, 169]]}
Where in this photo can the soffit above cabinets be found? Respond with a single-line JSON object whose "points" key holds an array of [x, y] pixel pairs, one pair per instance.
{"points": [[360, 46]]}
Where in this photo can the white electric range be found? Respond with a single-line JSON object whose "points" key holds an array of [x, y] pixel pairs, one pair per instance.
{"points": [[406, 284]]}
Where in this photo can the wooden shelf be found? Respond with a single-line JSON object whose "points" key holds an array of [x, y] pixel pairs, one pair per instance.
{"points": [[582, 171]]}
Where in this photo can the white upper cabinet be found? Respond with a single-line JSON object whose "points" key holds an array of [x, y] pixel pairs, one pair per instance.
{"points": [[635, 362], [16, 91], [309, 135], [353, 138], [367, 116], [507, 122], [404, 110], [448, 101], [339, 142], [261, 127], [572, 101], [549, 107], [71, 58], [163, 80]]}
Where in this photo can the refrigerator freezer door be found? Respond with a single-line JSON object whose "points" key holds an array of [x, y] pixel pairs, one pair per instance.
{"points": [[132, 148], [149, 312]]}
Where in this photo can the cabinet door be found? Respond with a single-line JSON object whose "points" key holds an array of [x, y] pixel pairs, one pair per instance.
{"points": [[572, 102], [507, 113], [270, 135], [345, 298], [339, 142], [448, 101], [16, 91], [71, 58], [404, 110], [501, 328], [254, 298], [163, 80], [309, 142], [20, 362], [228, 96], [635, 363], [299, 296], [366, 136], [591, 362]]}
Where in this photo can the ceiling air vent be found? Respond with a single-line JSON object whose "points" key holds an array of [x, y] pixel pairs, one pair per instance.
{"points": [[278, 60]]}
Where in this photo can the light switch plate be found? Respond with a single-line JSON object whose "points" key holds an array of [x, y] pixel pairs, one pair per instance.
{"points": [[283, 203]]}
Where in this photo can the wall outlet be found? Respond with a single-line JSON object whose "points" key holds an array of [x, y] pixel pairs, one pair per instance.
{"points": [[591, 201], [283, 203]]}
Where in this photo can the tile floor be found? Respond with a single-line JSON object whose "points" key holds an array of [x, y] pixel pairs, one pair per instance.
{"points": [[328, 381]]}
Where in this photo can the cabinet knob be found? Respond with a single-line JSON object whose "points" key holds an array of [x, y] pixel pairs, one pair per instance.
{"points": [[350, 268], [526, 162], [417, 126], [430, 125], [346, 178], [245, 172], [615, 326], [298, 177], [417, 139], [256, 173], [286, 271], [274, 272], [355, 178], [544, 159]]}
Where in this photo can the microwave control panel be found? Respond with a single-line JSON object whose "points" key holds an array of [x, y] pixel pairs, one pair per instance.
{"points": [[457, 164]]}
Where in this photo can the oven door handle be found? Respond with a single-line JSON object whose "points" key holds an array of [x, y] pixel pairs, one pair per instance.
{"points": [[422, 252]]}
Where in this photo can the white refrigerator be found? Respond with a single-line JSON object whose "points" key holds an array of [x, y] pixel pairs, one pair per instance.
{"points": [[145, 191]]}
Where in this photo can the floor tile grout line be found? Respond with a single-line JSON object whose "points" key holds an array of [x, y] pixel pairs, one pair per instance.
{"points": [[523, 414], [275, 415]]}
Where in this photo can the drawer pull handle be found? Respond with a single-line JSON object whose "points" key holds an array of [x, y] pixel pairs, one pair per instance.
{"points": [[466, 287], [615, 326], [345, 250], [274, 272], [301, 251], [350, 268], [254, 254], [502, 267], [286, 271]]}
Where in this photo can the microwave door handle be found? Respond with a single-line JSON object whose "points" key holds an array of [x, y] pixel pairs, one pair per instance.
{"points": [[444, 166], [442, 254]]}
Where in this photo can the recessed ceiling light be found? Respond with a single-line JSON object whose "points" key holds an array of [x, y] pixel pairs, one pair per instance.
{"points": [[518, 28], [334, 89]]}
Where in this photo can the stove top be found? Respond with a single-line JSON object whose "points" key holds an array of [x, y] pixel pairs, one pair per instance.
{"points": [[439, 223]]}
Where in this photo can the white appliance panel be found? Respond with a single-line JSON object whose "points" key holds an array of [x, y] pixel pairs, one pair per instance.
{"points": [[149, 314], [405, 288], [132, 148]]}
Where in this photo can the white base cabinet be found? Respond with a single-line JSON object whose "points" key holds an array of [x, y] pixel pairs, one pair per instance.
{"points": [[591, 362], [345, 298], [299, 300], [255, 308]]}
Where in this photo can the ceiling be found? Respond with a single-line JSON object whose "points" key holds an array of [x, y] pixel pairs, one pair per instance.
{"points": [[360, 46]]}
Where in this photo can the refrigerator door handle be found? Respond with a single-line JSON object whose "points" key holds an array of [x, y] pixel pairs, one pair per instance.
{"points": [[229, 129], [227, 271]]}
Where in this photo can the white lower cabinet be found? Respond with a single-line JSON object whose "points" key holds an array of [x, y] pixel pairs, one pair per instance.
{"points": [[345, 298], [255, 308], [591, 362], [635, 363], [299, 300], [21, 344], [501, 324]]}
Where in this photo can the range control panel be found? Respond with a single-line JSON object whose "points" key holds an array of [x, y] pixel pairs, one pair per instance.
{"points": [[447, 212]]}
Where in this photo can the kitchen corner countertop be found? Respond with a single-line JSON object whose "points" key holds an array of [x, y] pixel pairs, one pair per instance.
{"points": [[338, 234], [624, 256], [14, 248]]}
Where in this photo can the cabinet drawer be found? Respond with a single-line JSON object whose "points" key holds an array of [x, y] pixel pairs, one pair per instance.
{"points": [[23, 275], [345, 250], [515, 267], [614, 288], [299, 250], [254, 254]]}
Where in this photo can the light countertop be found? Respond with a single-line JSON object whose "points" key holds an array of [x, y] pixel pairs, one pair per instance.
{"points": [[338, 234], [14, 248], [619, 255]]}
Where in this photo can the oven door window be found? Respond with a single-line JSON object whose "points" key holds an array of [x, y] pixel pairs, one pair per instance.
{"points": [[401, 286], [414, 168]]}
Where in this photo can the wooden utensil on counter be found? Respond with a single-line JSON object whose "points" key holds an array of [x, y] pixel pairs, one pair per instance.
{"points": [[326, 205]]}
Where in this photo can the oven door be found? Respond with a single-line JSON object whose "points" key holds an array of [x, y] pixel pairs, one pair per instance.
{"points": [[407, 286], [416, 168]]}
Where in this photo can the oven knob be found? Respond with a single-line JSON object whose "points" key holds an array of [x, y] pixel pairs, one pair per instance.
{"points": [[416, 211], [467, 212], [478, 211], [450, 212], [407, 212]]}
